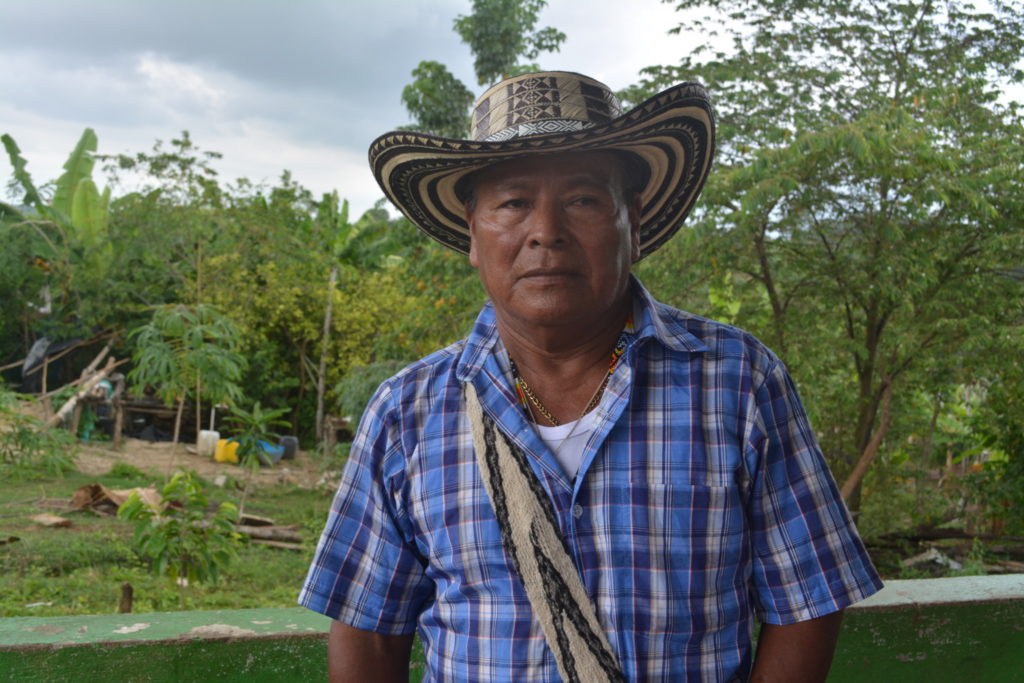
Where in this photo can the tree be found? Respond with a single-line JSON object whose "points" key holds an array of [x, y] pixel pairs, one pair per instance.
{"points": [[499, 34], [177, 536], [868, 197], [62, 245], [182, 343], [438, 101]]}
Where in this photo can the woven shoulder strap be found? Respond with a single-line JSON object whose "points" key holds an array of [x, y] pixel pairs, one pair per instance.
{"points": [[532, 539]]}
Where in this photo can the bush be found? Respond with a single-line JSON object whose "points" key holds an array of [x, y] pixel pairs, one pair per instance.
{"points": [[177, 537], [27, 444]]}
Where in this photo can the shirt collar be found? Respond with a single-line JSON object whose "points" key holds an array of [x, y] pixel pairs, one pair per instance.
{"points": [[651, 319]]}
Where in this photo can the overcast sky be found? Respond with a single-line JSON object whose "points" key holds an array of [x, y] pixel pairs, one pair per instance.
{"points": [[299, 85]]}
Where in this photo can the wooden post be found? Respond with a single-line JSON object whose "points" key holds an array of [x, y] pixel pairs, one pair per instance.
{"points": [[126, 598], [76, 418], [47, 405], [118, 408]]}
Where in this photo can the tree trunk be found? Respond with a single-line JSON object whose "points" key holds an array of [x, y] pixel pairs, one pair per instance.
{"points": [[177, 421], [199, 414], [302, 387], [867, 456], [324, 344]]}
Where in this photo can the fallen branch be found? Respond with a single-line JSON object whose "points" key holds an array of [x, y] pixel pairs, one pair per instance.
{"points": [[278, 544], [76, 382], [946, 534], [87, 386], [271, 533]]}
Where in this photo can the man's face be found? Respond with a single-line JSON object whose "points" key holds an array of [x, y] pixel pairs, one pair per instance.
{"points": [[553, 238]]}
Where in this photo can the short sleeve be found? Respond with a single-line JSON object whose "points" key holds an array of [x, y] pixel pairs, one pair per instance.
{"points": [[808, 558], [366, 571]]}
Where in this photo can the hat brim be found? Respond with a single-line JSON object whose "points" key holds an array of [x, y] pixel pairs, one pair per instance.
{"points": [[673, 133]]}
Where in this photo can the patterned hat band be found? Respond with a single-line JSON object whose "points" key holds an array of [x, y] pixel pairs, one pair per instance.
{"points": [[523, 130], [671, 136]]}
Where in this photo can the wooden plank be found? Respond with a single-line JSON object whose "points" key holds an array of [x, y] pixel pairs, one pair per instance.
{"points": [[50, 521]]}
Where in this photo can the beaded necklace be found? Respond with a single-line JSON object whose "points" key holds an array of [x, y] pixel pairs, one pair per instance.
{"points": [[527, 396]]}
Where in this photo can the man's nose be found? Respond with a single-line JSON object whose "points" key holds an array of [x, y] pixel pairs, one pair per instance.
{"points": [[548, 224]]}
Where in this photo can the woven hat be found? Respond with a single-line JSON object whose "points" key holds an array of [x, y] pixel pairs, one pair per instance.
{"points": [[672, 136]]}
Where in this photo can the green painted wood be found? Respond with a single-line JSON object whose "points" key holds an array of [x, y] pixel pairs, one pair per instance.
{"points": [[134, 628], [222, 645], [958, 642], [967, 628], [962, 629], [269, 659]]}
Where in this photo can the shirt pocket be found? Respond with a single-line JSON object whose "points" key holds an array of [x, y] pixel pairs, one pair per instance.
{"points": [[690, 556]]}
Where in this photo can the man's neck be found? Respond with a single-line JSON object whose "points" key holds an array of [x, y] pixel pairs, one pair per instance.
{"points": [[563, 364]]}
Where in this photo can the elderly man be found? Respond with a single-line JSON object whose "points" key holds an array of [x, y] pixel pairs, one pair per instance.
{"points": [[592, 486]]}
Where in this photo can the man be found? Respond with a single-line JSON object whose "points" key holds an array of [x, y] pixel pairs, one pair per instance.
{"points": [[591, 486]]}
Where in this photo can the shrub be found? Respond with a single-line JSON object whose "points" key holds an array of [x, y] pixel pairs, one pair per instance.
{"points": [[178, 538]]}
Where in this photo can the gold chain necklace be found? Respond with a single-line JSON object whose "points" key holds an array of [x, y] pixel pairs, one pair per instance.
{"points": [[527, 394]]}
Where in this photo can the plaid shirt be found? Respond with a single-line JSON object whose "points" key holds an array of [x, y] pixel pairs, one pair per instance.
{"points": [[702, 501]]}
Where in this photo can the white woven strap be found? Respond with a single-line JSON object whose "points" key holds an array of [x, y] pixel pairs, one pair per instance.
{"points": [[533, 541]]}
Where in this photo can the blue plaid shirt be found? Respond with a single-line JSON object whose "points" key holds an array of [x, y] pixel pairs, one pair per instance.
{"points": [[702, 501]]}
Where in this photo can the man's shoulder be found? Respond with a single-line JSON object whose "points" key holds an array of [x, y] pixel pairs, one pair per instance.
{"points": [[438, 364], [720, 339]]}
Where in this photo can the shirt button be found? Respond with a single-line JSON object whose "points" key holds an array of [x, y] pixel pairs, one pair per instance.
{"points": [[577, 510]]}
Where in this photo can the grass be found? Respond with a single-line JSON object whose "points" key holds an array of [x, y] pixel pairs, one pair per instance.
{"points": [[79, 570]]}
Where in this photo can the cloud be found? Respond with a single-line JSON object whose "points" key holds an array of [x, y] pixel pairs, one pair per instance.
{"points": [[304, 85], [171, 83]]}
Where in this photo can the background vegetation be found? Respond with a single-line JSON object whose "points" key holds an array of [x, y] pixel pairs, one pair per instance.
{"points": [[864, 218]]}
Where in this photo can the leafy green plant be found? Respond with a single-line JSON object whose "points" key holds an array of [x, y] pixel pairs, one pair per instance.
{"points": [[252, 427], [123, 470], [177, 536], [26, 444], [183, 348]]}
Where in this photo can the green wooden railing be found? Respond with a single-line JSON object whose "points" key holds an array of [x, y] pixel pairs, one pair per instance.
{"points": [[958, 629]]}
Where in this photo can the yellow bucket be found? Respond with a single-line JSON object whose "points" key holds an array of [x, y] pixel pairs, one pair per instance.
{"points": [[226, 451]]}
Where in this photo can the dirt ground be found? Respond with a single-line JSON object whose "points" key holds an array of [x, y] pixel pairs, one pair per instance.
{"points": [[161, 457]]}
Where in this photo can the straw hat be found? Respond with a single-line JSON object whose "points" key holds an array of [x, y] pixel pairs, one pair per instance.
{"points": [[671, 135]]}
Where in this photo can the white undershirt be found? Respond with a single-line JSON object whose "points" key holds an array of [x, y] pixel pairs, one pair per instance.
{"points": [[567, 441]]}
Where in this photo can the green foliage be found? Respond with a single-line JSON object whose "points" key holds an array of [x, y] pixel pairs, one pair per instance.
{"points": [[77, 169], [251, 427], [122, 470], [27, 446], [181, 342], [500, 32], [177, 536], [866, 201], [438, 101], [21, 175], [999, 422]]}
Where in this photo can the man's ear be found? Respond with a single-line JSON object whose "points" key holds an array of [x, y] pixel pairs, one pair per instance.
{"points": [[634, 226]]}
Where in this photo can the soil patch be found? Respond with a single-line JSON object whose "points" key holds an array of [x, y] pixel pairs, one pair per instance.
{"points": [[160, 457]]}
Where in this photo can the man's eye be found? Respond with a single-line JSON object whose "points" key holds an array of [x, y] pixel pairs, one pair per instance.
{"points": [[513, 204], [586, 201]]}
